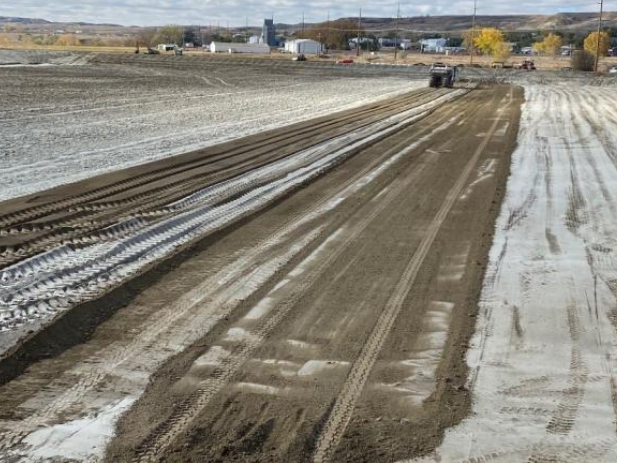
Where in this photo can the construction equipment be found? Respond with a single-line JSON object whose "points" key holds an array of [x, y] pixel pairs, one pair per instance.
{"points": [[443, 75], [149, 51], [527, 65]]}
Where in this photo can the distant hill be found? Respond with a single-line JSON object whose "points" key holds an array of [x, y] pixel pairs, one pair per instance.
{"points": [[6, 19], [567, 22], [42, 22]]}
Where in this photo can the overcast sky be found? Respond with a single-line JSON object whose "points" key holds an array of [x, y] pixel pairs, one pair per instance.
{"points": [[159, 12]]}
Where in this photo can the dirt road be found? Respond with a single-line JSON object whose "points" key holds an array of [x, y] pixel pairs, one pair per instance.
{"points": [[326, 325]]}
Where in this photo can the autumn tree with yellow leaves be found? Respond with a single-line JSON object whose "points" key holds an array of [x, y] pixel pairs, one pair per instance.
{"points": [[551, 45], [591, 43], [491, 41]]}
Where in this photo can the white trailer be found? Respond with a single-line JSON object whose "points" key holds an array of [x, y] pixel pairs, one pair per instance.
{"points": [[250, 48], [303, 47]]}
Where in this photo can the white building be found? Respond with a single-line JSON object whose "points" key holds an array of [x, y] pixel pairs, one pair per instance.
{"points": [[433, 45], [226, 47], [303, 46]]}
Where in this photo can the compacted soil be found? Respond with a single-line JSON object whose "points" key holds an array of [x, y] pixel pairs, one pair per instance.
{"points": [[328, 324]]}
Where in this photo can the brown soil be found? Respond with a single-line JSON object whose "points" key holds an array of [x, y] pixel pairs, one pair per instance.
{"points": [[336, 311], [292, 346]]}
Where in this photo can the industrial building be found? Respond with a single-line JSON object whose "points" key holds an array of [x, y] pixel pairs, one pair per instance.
{"points": [[249, 48], [268, 33], [303, 47]]}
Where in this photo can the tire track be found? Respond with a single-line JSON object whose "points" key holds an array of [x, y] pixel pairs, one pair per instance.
{"points": [[342, 411], [95, 269], [248, 271], [163, 436]]}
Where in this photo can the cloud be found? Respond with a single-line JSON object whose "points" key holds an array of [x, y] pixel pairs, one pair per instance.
{"points": [[237, 12]]}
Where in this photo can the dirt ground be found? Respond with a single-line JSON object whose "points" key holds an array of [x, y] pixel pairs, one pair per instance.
{"points": [[266, 384], [64, 123], [330, 326], [425, 278]]}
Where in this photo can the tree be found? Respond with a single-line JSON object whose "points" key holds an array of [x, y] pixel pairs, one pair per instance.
{"points": [[469, 36], [12, 28], [501, 52], [146, 36], [573, 38], [490, 41], [334, 35], [168, 34], [551, 45], [190, 36], [68, 40], [591, 43]]}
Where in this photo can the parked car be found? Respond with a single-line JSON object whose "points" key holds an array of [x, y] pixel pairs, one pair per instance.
{"points": [[345, 61], [613, 71]]}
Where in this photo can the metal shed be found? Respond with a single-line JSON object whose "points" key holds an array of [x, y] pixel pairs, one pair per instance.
{"points": [[303, 46]]}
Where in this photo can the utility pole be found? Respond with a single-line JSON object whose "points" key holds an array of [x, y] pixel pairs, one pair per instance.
{"points": [[398, 14], [303, 24], [359, 29], [328, 30], [599, 36], [473, 31]]}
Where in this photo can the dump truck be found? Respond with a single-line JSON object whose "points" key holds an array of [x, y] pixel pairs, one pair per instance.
{"points": [[442, 75]]}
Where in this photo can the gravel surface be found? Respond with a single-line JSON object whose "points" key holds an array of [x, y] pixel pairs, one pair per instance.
{"points": [[60, 124]]}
